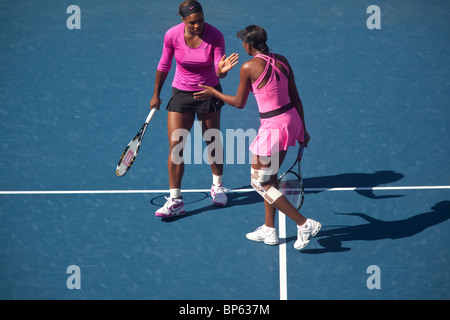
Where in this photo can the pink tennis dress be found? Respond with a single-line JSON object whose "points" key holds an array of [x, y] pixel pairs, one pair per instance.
{"points": [[281, 126]]}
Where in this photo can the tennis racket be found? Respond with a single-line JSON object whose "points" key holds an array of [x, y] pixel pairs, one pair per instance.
{"points": [[131, 151], [291, 183]]}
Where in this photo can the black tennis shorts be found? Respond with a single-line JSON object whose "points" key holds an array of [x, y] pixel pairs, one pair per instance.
{"points": [[184, 102]]}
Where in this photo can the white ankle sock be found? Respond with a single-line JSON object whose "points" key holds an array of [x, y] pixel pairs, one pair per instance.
{"points": [[268, 230], [304, 226], [217, 180], [175, 193]]}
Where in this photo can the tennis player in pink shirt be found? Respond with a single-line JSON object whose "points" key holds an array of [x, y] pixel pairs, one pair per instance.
{"points": [[199, 51], [271, 79]]}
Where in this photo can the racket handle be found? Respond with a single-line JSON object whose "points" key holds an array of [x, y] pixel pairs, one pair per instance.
{"points": [[300, 152], [150, 115]]}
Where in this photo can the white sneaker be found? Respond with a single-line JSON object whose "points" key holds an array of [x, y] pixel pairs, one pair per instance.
{"points": [[218, 195], [304, 235], [173, 207], [260, 236]]}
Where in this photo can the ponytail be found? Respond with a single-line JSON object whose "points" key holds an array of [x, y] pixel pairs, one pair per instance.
{"points": [[262, 46]]}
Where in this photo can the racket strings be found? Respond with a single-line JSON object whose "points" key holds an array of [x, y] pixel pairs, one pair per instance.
{"points": [[127, 157], [291, 186]]}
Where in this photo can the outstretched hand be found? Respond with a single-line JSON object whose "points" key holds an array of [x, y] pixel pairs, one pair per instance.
{"points": [[205, 94], [225, 64]]}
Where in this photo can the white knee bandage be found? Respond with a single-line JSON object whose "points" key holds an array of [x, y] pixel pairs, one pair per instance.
{"points": [[272, 194], [262, 175], [259, 179]]}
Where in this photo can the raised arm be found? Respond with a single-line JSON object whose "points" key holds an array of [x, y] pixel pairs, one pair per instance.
{"points": [[225, 65]]}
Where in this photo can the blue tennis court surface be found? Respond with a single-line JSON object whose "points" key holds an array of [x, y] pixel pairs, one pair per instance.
{"points": [[377, 171]]}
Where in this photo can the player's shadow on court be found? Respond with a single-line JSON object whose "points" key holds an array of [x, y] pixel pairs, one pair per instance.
{"points": [[333, 239], [349, 180], [355, 180]]}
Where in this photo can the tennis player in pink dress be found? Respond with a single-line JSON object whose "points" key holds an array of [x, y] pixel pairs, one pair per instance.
{"points": [[199, 51], [271, 79]]}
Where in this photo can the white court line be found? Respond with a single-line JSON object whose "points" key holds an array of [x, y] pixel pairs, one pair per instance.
{"points": [[282, 255], [208, 190], [281, 217], [378, 188]]}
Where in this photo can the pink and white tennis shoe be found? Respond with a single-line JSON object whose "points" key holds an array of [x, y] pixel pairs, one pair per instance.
{"points": [[173, 207], [218, 195]]}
